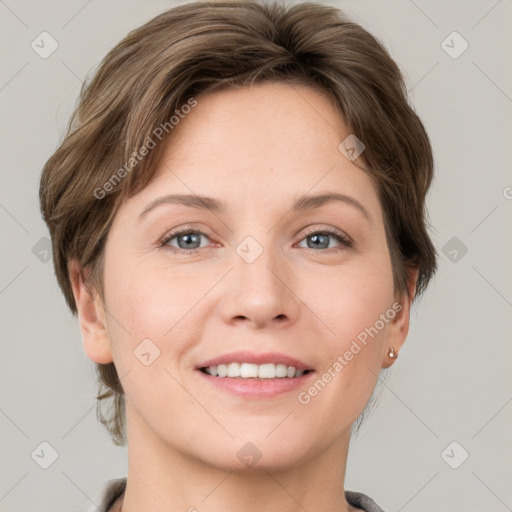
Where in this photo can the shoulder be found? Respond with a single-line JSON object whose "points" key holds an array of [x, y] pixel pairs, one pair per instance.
{"points": [[362, 501], [110, 490], [104, 496]]}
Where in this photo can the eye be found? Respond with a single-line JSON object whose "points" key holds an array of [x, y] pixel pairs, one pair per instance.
{"points": [[188, 240], [320, 238]]}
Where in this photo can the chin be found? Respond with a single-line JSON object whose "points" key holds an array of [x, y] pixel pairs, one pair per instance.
{"points": [[257, 453]]}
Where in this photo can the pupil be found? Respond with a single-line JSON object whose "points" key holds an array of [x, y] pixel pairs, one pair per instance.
{"points": [[187, 237], [315, 239]]}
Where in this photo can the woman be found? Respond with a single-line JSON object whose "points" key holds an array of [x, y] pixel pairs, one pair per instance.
{"points": [[238, 219]]}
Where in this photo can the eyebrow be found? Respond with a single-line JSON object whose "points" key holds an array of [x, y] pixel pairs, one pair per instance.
{"points": [[303, 203]]}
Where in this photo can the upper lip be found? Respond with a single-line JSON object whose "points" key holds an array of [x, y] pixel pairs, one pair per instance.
{"points": [[252, 357]]}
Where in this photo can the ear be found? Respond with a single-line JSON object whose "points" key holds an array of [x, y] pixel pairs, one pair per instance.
{"points": [[91, 317], [398, 328]]}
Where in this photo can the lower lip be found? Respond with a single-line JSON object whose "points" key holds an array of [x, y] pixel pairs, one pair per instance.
{"points": [[257, 388]]}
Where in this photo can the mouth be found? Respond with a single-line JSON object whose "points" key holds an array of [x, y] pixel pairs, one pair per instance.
{"points": [[254, 371], [255, 376]]}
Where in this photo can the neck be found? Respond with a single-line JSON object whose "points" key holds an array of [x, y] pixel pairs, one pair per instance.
{"points": [[164, 478]]}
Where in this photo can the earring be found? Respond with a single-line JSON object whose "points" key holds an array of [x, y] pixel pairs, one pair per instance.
{"points": [[392, 354]]}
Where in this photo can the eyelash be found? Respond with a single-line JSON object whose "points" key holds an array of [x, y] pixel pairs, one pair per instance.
{"points": [[340, 237]]}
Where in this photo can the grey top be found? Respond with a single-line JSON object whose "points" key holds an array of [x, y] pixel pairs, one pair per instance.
{"points": [[112, 489]]}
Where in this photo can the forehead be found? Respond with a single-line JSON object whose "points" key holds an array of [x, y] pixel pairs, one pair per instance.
{"points": [[268, 124], [265, 143]]}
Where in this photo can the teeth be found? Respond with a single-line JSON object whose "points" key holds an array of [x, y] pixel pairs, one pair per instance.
{"points": [[249, 370], [233, 370], [281, 370]]}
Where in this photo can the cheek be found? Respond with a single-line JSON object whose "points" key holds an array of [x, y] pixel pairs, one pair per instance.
{"points": [[349, 300], [143, 305], [154, 327], [355, 308]]}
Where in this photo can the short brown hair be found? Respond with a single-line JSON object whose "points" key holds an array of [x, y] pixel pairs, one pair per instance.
{"points": [[204, 46]]}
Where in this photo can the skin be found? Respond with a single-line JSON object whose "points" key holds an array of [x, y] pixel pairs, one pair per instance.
{"points": [[257, 149]]}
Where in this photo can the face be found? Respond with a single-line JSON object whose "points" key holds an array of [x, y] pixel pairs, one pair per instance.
{"points": [[299, 283]]}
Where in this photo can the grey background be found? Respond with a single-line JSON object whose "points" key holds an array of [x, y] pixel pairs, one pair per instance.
{"points": [[453, 379]]}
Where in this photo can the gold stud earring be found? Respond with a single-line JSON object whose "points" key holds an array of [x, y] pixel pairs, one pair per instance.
{"points": [[392, 354]]}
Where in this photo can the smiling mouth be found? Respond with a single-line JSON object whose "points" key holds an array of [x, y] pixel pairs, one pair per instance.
{"points": [[254, 371]]}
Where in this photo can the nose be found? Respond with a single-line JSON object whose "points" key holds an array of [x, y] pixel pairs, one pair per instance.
{"points": [[260, 291]]}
